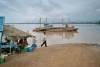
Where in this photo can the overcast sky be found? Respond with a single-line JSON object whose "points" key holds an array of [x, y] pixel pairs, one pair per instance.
{"points": [[31, 10]]}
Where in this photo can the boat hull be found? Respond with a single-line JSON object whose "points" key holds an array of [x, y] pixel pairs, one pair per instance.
{"points": [[56, 29]]}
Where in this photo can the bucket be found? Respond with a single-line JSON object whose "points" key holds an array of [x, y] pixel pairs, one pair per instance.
{"points": [[1, 60], [30, 49], [25, 49]]}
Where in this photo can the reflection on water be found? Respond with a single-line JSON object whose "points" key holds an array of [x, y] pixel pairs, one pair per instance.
{"points": [[69, 35], [66, 35], [56, 37]]}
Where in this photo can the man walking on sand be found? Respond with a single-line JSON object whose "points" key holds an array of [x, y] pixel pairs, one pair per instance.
{"points": [[44, 40]]}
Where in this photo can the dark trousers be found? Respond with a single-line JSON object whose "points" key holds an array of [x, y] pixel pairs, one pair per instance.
{"points": [[44, 43]]}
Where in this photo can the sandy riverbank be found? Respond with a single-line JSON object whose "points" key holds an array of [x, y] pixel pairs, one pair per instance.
{"points": [[68, 55]]}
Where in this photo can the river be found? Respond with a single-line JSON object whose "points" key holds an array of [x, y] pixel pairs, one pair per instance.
{"points": [[87, 33]]}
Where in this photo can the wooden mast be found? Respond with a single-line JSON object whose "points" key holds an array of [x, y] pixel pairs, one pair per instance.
{"points": [[46, 19], [62, 22], [40, 22]]}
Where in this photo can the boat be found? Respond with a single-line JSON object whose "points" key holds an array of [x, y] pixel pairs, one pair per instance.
{"points": [[47, 27], [57, 29]]}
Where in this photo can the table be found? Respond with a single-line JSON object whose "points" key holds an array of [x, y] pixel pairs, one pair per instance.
{"points": [[8, 46]]}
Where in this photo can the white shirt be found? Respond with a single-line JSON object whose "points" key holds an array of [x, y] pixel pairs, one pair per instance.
{"points": [[31, 40], [44, 37]]}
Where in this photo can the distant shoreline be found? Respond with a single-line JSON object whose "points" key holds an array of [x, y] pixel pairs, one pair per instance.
{"points": [[58, 23]]}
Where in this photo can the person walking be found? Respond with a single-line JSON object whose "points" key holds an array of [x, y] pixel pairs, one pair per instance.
{"points": [[44, 40]]}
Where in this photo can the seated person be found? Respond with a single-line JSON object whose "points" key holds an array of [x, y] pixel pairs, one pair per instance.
{"points": [[4, 40]]}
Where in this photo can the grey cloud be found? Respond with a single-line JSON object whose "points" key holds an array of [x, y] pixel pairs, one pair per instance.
{"points": [[55, 5], [31, 9], [9, 5], [49, 5]]}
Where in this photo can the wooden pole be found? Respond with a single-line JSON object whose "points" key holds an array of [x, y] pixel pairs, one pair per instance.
{"points": [[62, 23], [46, 19], [40, 22]]}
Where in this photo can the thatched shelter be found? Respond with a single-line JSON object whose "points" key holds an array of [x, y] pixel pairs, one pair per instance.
{"points": [[12, 31]]}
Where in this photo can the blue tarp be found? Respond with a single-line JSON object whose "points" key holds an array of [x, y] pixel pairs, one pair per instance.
{"points": [[2, 19], [1, 23], [0, 40]]}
